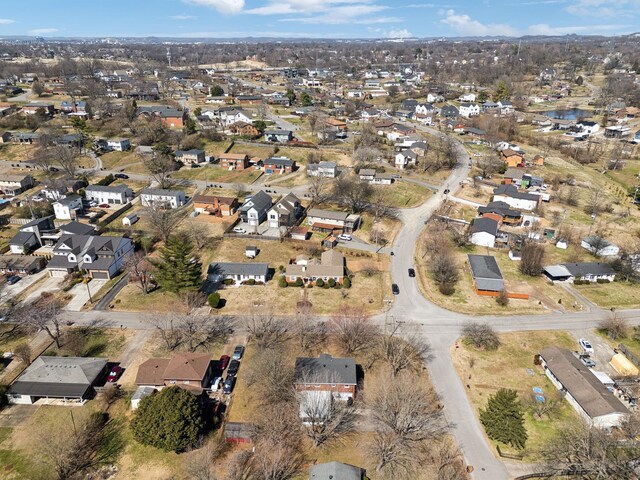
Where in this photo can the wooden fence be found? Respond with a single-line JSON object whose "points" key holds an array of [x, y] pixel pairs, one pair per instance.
{"points": [[627, 353]]}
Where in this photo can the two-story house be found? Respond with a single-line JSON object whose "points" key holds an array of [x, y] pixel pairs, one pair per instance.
{"points": [[330, 221], [191, 157], [326, 373], [102, 257], [234, 161], [30, 235], [254, 210], [68, 208], [11, 185], [109, 194], [117, 144], [285, 212], [161, 197], [322, 169], [469, 110]]}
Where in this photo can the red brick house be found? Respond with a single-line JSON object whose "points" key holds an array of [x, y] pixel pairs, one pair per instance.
{"points": [[191, 371], [213, 205], [234, 161], [325, 373]]}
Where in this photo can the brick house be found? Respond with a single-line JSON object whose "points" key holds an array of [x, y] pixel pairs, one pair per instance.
{"points": [[234, 161], [191, 371], [243, 128], [279, 165], [213, 205], [325, 373]]}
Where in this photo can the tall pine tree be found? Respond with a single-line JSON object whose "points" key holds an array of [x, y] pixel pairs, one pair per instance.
{"points": [[178, 270], [503, 419]]}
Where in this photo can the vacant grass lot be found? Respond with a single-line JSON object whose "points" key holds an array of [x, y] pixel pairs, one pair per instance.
{"points": [[212, 173], [406, 194], [117, 160], [511, 366], [616, 294]]}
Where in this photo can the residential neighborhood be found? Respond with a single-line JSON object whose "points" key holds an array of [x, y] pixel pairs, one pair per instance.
{"points": [[329, 253]]}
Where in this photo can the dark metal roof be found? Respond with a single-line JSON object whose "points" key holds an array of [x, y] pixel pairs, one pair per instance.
{"points": [[326, 369]]}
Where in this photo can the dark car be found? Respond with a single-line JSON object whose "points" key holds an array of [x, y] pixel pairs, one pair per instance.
{"points": [[446, 191], [54, 169], [13, 279], [124, 176], [223, 362], [395, 289], [412, 272], [115, 373], [234, 366], [238, 352], [229, 383]]}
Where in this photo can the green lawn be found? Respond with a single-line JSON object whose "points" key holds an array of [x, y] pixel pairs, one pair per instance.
{"points": [[406, 194], [217, 174], [616, 294]]}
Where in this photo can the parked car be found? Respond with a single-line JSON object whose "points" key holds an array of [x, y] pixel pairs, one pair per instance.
{"points": [[229, 383], [412, 272], [215, 384], [345, 237], [115, 373], [234, 366], [239, 230], [224, 361], [121, 175], [103, 205], [586, 346], [93, 203], [446, 191], [13, 279], [588, 362], [54, 169], [238, 352], [395, 289]]}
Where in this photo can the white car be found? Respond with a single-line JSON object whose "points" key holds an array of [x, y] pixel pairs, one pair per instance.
{"points": [[239, 230], [586, 346], [93, 204], [217, 382], [344, 237]]}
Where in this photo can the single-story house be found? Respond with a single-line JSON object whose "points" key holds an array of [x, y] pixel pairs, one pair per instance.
{"points": [[483, 232], [109, 194], [238, 272], [585, 271], [336, 471], [326, 373], [585, 393], [214, 205], [279, 136], [71, 379], [191, 371], [21, 264], [599, 246], [330, 266], [486, 274], [506, 214], [510, 195]]}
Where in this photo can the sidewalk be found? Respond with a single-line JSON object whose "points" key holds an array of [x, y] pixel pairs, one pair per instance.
{"points": [[81, 294]]}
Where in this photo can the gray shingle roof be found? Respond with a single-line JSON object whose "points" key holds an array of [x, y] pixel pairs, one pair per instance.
{"points": [[326, 369], [589, 268], [260, 201], [486, 272], [233, 268], [484, 224], [122, 188], [335, 471]]}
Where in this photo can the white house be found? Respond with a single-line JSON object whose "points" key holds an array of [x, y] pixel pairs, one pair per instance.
{"points": [[238, 272], [107, 194], [583, 271], [469, 110], [599, 246], [254, 210], [587, 127], [167, 198], [229, 117], [407, 157], [518, 200], [285, 212], [467, 97], [425, 109], [434, 98], [67, 208], [583, 390], [484, 232], [322, 169], [118, 144], [506, 108]]}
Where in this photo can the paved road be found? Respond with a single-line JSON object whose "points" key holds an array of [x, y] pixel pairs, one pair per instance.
{"points": [[105, 301]]}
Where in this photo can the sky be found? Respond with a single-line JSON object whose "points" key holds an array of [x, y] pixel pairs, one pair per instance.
{"points": [[320, 18]]}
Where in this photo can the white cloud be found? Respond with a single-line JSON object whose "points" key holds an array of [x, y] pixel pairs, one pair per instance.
{"points": [[402, 33], [286, 7], [354, 14], [6, 21], [182, 17], [603, 8], [223, 6], [42, 31], [466, 26], [545, 29]]}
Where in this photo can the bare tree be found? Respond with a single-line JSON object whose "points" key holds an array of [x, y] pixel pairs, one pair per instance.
{"points": [[366, 155], [325, 419], [200, 331], [168, 327], [403, 354], [481, 335], [67, 159], [319, 189], [199, 235], [444, 270], [23, 352], [44, 314], [532, 262], [488, 164], [380, 205], [266, 330], [447, 459], [140, 271], [309, 332], [352, 193], [353, 330], [391, 454], [164, 221], [201, 464], [271, 372], [160, 166], [614, 326]]}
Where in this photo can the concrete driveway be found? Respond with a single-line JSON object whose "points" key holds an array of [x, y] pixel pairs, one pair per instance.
{"points": [[81, 294], [51, 284], [16, 415], [11, 291]]}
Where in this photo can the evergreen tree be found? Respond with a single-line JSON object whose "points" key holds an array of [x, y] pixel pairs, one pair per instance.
{"points": [[502, 91], [178, 269], [290, 95], [305, 99], [216, 91], [170, 419], [503, 419]]}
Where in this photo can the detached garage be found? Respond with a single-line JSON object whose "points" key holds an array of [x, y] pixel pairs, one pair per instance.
{"points": [[70, 379]]}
